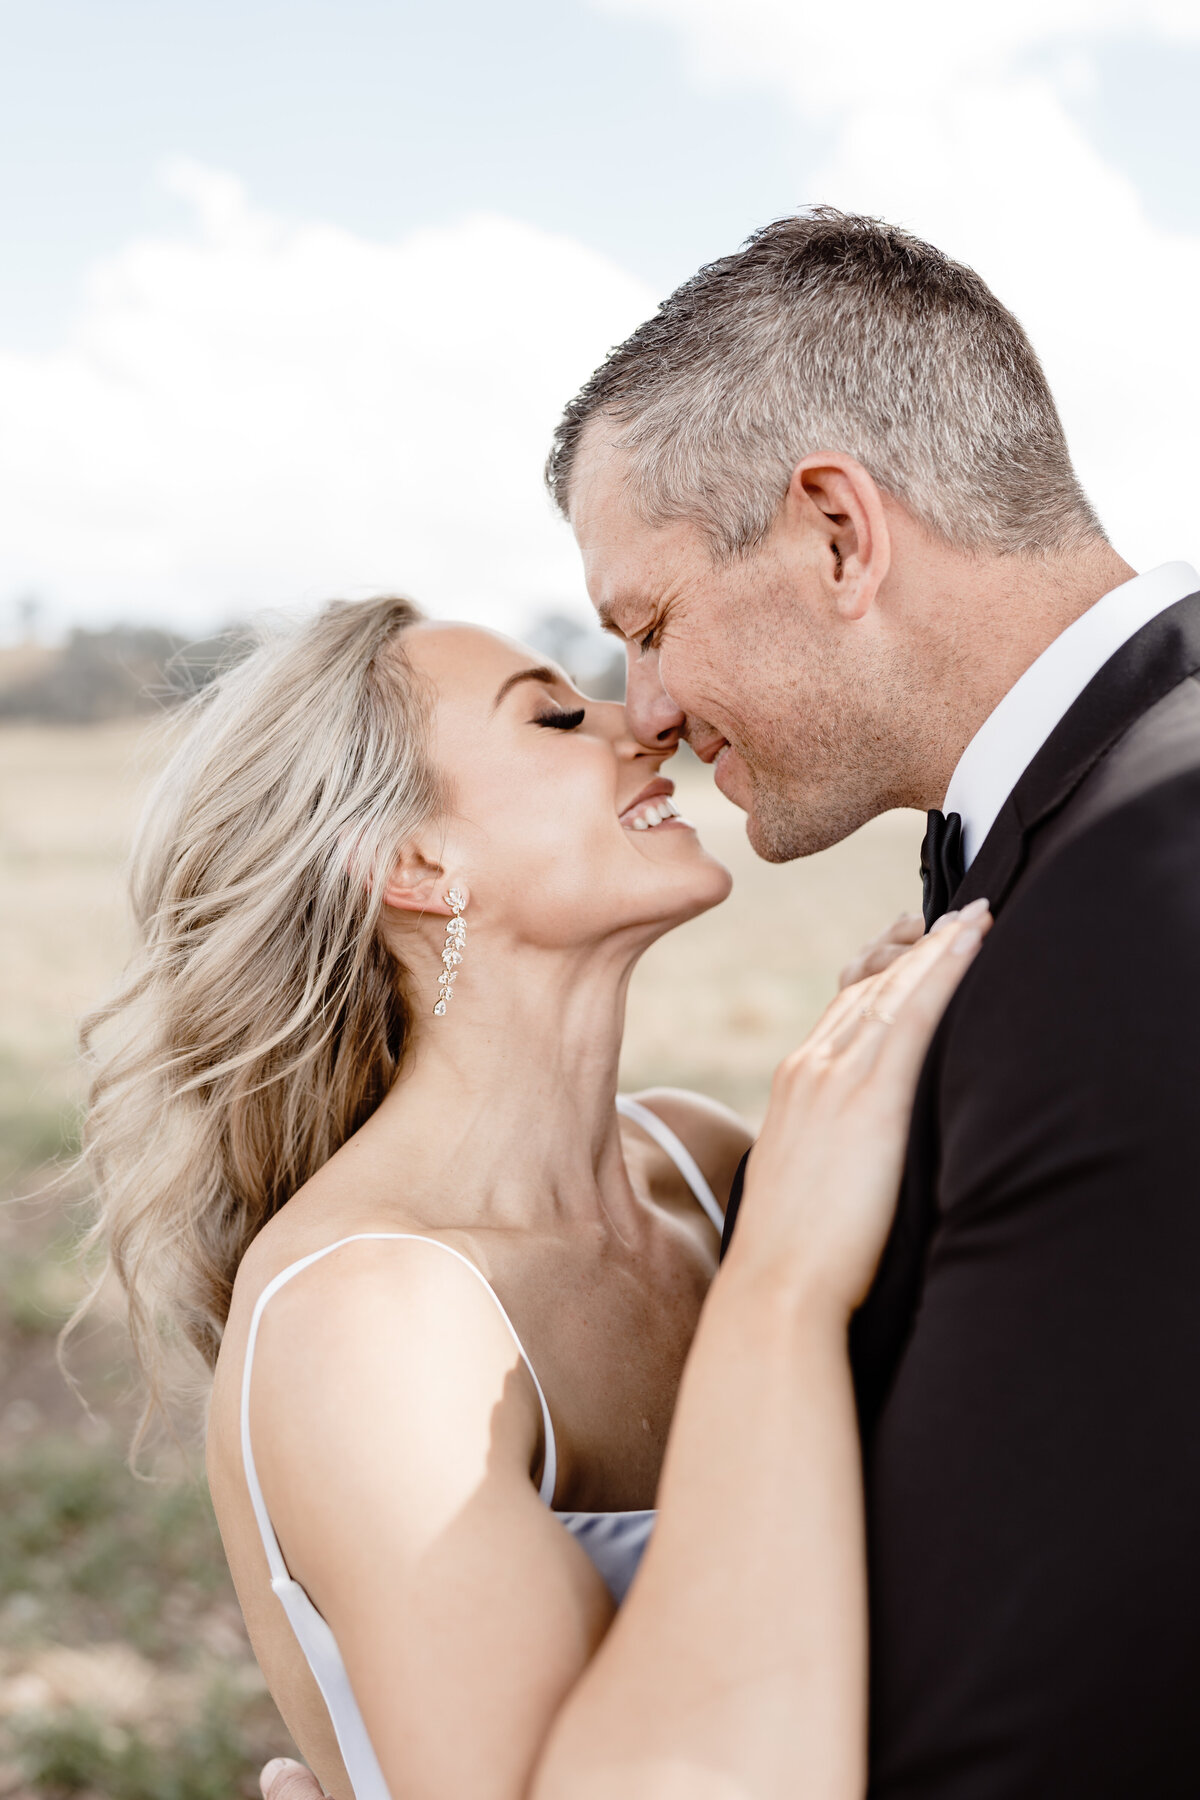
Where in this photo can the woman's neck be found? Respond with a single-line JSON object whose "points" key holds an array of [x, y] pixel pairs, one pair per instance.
{"points": [[507, 1101]]}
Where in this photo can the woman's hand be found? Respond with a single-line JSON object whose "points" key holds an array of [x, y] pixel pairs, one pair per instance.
{"points": [[883, 950], [822, 1183], [287, 1780]]}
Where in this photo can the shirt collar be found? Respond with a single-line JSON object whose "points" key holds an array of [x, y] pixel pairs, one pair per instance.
{"points": [[1011, 736]]}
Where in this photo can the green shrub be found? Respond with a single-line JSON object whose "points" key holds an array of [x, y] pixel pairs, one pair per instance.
{"points": [[39, 1292], [33, 1132], [86, 1544], [210, 1758]]}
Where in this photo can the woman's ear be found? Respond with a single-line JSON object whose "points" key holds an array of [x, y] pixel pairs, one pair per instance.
{"points": [[416, 885]]}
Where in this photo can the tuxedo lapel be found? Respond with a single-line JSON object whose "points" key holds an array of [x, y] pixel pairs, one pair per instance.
{"points": [[1145, 669]]}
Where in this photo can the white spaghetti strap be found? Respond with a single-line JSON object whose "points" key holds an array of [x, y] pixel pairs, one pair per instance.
{"points": [[279, 1569], [678, 1151]]}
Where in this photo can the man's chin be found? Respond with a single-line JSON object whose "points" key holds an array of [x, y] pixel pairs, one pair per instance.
{"points": [[780, 832], [779, 828], [771, 835], [769, 843]]}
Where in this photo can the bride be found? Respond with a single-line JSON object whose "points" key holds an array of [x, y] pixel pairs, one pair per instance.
{"points": [[356, 1138]]}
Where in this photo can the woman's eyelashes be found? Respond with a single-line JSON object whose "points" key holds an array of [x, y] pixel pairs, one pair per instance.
{"points": [[561, 721]]}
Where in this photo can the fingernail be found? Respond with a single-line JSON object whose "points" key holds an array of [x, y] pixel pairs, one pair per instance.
{"points": [[976, 910], [270, 1771], [941, 924], [966, 941]]}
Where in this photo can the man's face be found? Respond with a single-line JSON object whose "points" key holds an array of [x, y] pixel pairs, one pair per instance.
{"points": [[743, 660]]}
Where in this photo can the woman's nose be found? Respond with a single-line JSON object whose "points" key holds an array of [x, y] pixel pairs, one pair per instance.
{"points": [[653, 717]]}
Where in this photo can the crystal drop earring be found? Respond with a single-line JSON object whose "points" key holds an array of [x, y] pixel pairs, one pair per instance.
{"points": [[452, 954]]}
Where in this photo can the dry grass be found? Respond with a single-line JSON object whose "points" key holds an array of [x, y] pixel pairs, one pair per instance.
{"points": [[124, 1669], [68, 800]]}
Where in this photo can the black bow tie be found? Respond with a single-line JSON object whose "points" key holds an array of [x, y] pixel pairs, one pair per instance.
{"points": [[942, 866]]}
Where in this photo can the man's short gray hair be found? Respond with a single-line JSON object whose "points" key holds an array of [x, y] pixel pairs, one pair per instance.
{"points": [[828, 331]]}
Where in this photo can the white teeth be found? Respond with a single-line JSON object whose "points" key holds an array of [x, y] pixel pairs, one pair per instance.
{"points": [[653, 812]]}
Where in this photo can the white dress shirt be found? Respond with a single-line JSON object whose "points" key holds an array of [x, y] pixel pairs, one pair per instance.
{"points": [[1011, 736]]}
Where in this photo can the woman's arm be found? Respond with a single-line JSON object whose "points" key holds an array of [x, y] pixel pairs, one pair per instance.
{"points": [[475, 1632], [737, 1666], [396, 1429]]}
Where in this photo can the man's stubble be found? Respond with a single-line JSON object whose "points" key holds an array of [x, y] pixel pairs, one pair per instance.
{"points": [[826, 744]]}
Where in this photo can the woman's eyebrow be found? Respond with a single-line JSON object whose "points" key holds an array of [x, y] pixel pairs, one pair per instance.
{"points": [[549, 676]]}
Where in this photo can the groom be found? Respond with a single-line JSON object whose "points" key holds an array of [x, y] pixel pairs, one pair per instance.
{"points": [[825, 498]]}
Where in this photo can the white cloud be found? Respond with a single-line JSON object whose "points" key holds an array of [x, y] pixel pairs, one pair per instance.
{"points": [[258, 412], [827, 58], [953, 120]]}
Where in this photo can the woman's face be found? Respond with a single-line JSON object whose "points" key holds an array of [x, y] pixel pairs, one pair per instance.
{"points": [[555, 811]]}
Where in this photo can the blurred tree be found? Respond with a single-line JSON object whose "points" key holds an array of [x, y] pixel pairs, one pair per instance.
{"points": [[128, 670], [28, 608], [592, 660], [113, 674]]}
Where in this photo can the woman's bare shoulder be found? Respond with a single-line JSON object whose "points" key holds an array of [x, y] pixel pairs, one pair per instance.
{"points": [[717, 1136], [338, 1204], [384, 1338], [341, 1274]]}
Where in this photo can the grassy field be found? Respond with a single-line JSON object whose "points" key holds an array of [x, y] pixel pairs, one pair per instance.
{"points": [[124, 1670]]}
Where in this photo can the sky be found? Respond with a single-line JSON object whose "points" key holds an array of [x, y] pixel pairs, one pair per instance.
{"points": [[293, 291]]}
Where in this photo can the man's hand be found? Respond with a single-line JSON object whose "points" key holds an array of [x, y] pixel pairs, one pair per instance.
{"points": [[286, 1780], [883, 950]]}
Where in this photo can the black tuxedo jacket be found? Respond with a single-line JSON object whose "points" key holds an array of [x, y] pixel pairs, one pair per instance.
{"points": [[1028, 1361]]}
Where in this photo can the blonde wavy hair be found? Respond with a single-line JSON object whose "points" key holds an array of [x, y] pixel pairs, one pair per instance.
{"points": [[262, 1018]]}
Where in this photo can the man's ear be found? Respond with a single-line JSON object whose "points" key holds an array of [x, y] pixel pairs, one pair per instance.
{"points": [[417, 885], [837, 497]]}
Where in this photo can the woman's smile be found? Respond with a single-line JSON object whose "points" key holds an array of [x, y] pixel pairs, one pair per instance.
{"points": [[654, 808]]}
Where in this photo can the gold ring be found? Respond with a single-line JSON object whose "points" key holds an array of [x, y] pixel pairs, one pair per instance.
{"points": [[871, 1012]]}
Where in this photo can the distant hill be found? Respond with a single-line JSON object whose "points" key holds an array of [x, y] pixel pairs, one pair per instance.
{"points": [[114, 674]]}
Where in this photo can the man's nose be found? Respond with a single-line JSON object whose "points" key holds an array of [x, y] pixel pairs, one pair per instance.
{"points": [[653, 717]]}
